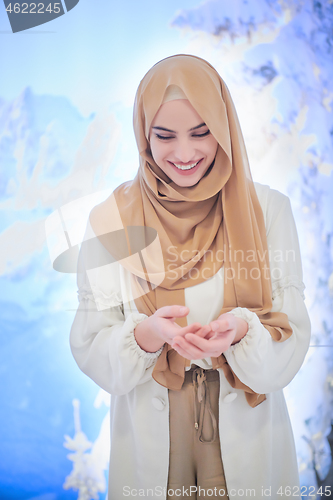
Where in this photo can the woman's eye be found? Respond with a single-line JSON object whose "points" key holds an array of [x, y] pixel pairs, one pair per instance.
{"points": [[164, 137], [202, 135]]}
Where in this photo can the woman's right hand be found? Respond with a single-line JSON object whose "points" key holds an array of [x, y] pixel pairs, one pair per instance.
{"points": [[152, 333]]}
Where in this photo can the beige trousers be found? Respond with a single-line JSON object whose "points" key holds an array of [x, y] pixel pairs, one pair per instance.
{"points": [[195, 464]]}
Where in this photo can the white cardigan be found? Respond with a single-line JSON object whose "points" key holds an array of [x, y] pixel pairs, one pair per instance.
{"points": [[257, 444]]}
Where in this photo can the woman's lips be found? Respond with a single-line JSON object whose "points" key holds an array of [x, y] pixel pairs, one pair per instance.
{"points": [[184, 168]]}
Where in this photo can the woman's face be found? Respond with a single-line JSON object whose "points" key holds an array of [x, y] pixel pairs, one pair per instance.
{"points": [[181, 143]]}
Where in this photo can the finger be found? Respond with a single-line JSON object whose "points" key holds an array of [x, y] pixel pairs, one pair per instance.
{"points": [[192, 328], [181, 351], [176, 340], [220, 325], [204, 331], [197, 341], [177, 331], [191, 349], [216, 345], [226, 321], [210, 335], [172, 311]]}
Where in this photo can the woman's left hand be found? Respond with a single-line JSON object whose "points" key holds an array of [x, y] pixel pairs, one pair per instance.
{"points": [[212, 339]]}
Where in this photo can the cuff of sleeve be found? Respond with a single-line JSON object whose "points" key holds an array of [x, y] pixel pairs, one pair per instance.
{"points": [[131, 322], [254, 326]]}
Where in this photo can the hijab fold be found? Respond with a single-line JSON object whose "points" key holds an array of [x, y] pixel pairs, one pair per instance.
{"points": [[217, 222]]}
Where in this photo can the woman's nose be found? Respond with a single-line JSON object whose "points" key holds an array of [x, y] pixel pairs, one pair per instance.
{"points": [[184, 151]]}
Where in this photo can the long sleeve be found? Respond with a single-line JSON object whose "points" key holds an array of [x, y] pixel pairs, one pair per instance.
{"points": [[258, 361], [102, 335], [102, 338]]}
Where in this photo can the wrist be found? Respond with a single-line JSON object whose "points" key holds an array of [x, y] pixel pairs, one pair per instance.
{"points": [[242, 327], [147, 339]]}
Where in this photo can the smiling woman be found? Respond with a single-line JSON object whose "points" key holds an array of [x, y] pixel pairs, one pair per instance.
{"points": [[195, 351], [184, 154]]}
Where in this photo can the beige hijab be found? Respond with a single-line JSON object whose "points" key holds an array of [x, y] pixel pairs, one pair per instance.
{"points": [[217, 222]]}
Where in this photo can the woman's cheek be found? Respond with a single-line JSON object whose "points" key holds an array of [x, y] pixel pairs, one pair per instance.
{"points": [[161, 152]]}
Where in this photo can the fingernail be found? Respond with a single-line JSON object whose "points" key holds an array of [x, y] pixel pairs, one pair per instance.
{"points": [[214, 326], [183, 310]]}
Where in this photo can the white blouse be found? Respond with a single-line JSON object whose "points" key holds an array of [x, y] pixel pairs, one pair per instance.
{"points": [[104, 346]]}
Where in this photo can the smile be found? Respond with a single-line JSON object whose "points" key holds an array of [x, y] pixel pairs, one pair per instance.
{"points": [[185, 167]]}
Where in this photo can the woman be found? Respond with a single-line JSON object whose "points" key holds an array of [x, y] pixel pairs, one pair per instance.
{"points": [[191, 314]]}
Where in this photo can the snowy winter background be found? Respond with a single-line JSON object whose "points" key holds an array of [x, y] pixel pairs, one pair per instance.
{"points": [[65, 136]]}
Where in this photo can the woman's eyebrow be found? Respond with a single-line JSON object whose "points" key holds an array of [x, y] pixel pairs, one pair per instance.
{"points": [[173, 132], [165, 129], [198, 126]]}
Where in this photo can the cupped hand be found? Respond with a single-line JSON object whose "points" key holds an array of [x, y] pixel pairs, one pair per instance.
{"points": [[213, 339], [161, 327], [163, 321]]}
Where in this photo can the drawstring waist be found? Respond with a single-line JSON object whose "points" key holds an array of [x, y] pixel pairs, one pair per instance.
{"points": [[199, 378]]}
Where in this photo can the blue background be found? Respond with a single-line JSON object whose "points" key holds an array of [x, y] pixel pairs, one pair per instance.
{"points": [[66, 95]]}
